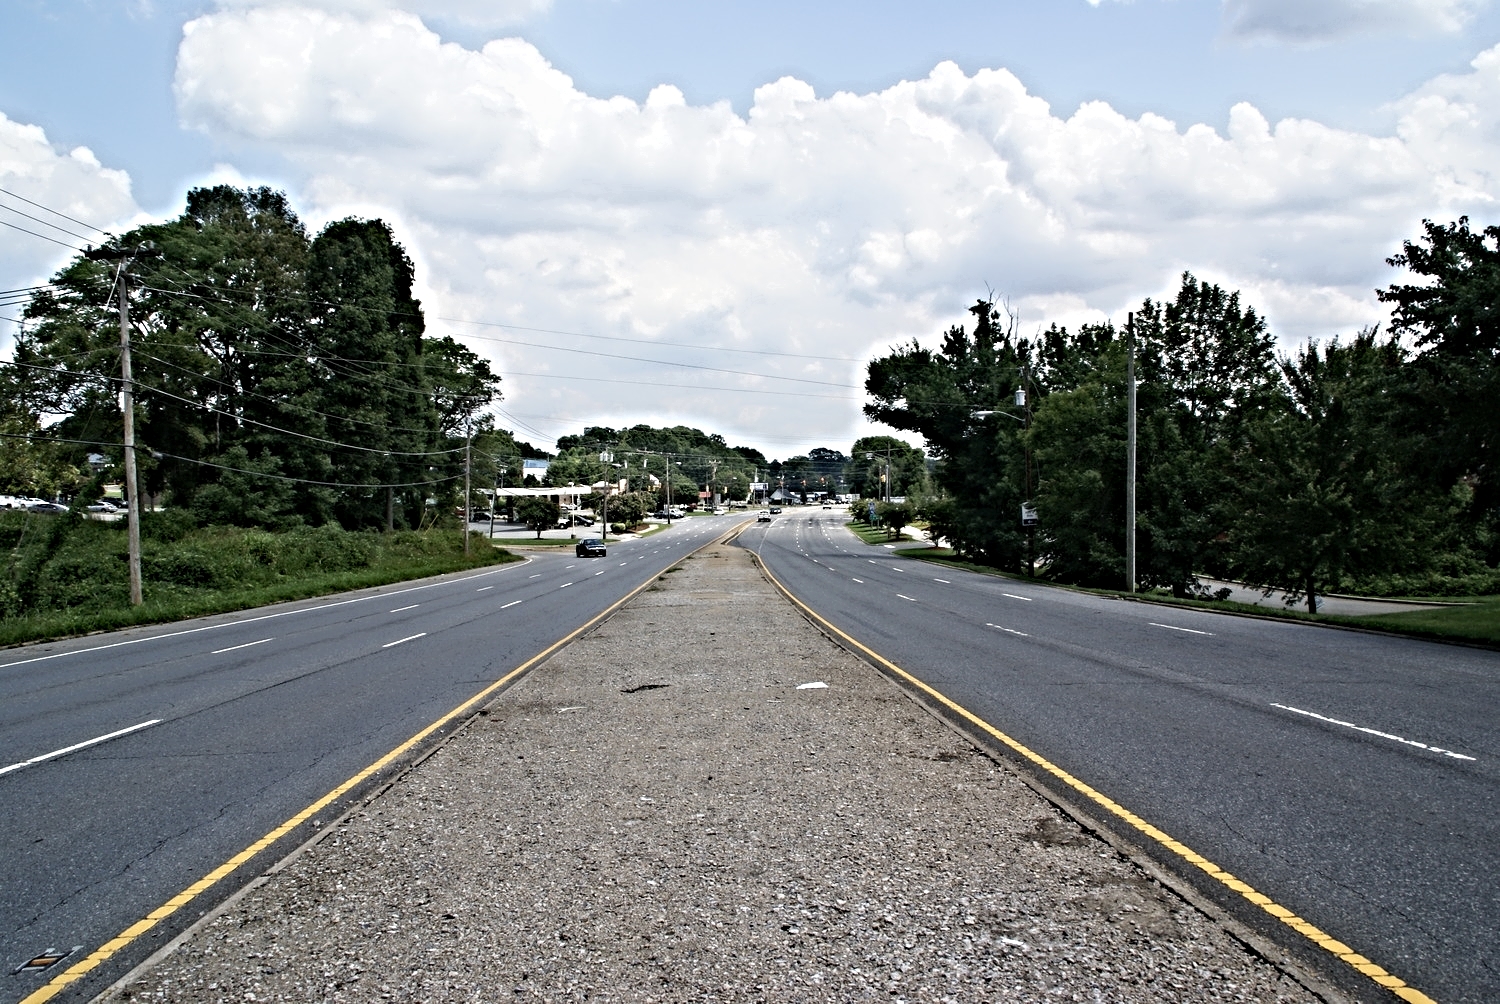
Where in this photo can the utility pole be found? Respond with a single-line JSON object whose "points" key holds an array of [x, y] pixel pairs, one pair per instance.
{"points": [[1130, 451], [127, 404], [468, 511], [127, 407]]}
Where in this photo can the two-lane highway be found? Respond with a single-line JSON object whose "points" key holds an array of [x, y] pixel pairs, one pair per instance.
{"points": [[134, 764], [1352, 778]]}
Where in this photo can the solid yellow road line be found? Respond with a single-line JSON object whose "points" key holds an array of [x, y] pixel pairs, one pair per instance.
{"points": [[1323, 940], [107, 950]]}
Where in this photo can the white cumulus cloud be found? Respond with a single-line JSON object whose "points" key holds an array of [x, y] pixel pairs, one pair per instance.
{"points": [[822, 226], [476, 13], [35, 174]]}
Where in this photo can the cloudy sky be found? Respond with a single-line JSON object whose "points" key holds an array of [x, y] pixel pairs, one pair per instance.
{"points": [[714, 213]]}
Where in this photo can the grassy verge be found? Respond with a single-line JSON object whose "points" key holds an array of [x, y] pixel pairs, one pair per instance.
{"points": [[1476, 622], [873, 534], [69, 577]]}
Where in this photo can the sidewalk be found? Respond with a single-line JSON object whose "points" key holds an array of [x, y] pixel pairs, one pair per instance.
{"points": [[661, 813]]}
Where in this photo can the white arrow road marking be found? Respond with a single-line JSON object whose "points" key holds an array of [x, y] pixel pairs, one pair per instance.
{"points": [[1373, 732], [78, 746]]}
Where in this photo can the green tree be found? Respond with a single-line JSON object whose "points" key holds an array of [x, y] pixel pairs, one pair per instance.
{"points": [[1323, 494], [538, 513]]}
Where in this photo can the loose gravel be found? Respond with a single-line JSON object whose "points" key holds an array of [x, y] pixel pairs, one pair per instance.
{"points": [[663, 812]]}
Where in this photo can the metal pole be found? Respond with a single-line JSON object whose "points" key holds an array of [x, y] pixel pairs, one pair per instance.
{"points": [[1130, 452], [132, 481], [468, 511]]}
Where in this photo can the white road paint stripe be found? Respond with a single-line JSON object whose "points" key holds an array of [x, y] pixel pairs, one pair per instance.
{"points": [[1015, 597], [510, 604], [1372, 732], [1169, 627], [1007, 630], [906, 597], [78, 746], [538, 575], [601, 573], [943, 581], [410, 607], [249, 620], [232, 648], [483, 588], [860, 581], [410, 637]]}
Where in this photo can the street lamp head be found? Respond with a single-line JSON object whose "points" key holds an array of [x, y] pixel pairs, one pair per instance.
{"points": [[1020, 397]]}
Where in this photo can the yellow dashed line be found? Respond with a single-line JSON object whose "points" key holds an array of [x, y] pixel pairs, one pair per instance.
{"points": [[1259, 899]]}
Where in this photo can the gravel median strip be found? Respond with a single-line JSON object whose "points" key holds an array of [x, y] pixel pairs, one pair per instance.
{"points": [[663, 812]]}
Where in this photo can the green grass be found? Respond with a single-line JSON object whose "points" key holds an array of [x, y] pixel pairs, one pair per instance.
{"points": [[1476, 622], [67, 576], [872, 534]]}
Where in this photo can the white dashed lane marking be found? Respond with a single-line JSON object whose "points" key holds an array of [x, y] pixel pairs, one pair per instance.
{"points": [[410, 637], [1169, 627], [409, 606], [1007, 630], [510, 604], [1372, 732], [78, 746], [235, 648], [1015, 597]]}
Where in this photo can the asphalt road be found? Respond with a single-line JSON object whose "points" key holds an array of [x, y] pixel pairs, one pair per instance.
{"points": [[1207, 726], [236, 723]]}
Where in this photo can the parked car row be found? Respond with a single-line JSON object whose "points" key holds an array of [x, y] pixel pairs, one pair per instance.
{"points": [[27, 503]]}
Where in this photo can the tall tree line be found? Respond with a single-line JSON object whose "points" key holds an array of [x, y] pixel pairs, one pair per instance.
{"points": [[281, 378], [1370, 462]]}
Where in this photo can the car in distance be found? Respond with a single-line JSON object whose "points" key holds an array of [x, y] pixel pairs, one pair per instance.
{"points": [[590, 547], [776, 510], [764, 516]]}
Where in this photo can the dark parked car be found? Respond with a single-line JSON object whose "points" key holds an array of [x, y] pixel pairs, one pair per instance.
{"points": [[590, 547], [776, 510], [46, 507]]}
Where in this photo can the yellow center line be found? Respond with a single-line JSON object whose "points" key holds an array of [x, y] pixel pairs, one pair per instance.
{"points": [[1318, 937], [107, 950]]}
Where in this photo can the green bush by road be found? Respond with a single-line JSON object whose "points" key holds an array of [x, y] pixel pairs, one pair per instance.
{"points": [[66, 575]]}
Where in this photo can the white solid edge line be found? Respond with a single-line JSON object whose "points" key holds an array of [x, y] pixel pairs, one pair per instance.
{"points": [[410, 637], [233, 648], [1169, 627], [262, 617], [78, 746], [1373, 732]]}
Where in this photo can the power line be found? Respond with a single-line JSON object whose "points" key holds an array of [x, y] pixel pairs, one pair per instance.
{"points": [[44, 237], [54, 212]]}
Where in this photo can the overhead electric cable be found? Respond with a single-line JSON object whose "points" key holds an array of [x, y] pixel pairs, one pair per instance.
{"points": [[54, 212], [44, 237], [289, 432]]}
